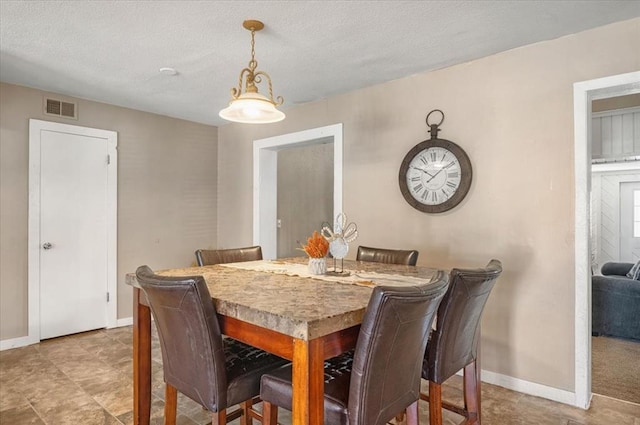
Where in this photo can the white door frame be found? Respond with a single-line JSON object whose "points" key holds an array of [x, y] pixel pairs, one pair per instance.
{"points": [[265, 179], [583, 94], [111, 137]]}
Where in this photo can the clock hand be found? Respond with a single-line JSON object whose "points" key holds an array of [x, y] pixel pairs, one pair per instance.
{"points": [[434, 176], [420, 169], [439, 171]]}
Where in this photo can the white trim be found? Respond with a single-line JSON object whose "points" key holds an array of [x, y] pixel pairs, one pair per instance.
{"points": [[111, 137], [127, 321], [112, 228], [615, 166], [23, 341], [265, 160], [583, 94], [528, 387], [613, 112]]}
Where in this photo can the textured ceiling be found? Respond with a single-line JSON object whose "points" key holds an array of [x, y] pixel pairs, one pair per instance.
{"points": [[111, 51]]}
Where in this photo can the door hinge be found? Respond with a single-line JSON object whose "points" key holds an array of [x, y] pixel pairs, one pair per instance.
{"points": [[108, 159], [107, 297]]}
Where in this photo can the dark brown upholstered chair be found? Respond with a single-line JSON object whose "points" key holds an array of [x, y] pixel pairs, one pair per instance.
{"points": [[454, 343], [381, 377], [388, 256], [197, 361], [209, 257]]}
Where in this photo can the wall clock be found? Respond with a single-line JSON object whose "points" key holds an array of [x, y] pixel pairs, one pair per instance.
{"points": [[435, 175]]}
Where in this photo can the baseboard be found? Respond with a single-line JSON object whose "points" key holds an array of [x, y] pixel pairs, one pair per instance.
{"points": [[23, 341], [530, 388], [127, 321]]}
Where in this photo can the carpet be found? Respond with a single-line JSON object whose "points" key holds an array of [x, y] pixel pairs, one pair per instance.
{"points": [[615, 368]]}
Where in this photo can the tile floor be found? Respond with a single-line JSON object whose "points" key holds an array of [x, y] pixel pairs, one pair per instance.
{"points": [[85, 379]]}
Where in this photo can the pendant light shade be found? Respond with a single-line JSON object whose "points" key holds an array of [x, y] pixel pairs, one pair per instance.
{"points": [[251, 107]]}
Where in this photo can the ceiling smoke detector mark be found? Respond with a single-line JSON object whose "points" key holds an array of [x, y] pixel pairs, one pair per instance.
{"points": [[168, 71], [60, 108]]}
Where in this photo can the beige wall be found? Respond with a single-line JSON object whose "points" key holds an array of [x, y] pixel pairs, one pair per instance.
{"points": [[513, 114], [167, 206]]}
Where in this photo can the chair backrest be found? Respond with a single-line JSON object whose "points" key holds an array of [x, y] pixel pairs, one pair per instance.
{"points": [[193, 356], [386, 372], [454, 342], [388, 256], [209, 257]]}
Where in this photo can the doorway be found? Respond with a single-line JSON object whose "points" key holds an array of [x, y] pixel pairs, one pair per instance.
{"points": [[615, 177], [584, 93], [265, 180], [72, 229]]}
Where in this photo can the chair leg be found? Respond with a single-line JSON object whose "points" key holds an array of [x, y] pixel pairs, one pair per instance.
{"points": [[478, 388], [246, 418], [471, 387], [269, 413], [435, 403], [413, 415], [170, 404], [219, 418]]}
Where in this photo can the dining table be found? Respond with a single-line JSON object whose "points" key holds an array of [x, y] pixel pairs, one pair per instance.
{"points": [[278, 306]]}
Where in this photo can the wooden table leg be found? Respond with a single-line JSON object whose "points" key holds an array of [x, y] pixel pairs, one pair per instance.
{"points": [[141, 360], [308, 382]]}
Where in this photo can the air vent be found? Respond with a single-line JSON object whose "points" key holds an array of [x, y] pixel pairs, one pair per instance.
{"points": [[59, 108]]}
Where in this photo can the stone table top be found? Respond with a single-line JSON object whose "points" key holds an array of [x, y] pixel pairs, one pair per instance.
{"points": [[301, 307]]}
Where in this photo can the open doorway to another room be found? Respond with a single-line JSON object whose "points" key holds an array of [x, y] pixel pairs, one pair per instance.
{"points": [[305, 194], [615, 246], [297, 185]]}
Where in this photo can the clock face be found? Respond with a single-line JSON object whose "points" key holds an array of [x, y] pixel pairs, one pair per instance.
{"points": [[435, 175]]}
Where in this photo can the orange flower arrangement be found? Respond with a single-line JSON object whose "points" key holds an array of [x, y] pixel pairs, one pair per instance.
{"points": [[317, 246]]}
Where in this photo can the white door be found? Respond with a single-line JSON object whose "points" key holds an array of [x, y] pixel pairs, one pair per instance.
{"points": [[629, 222], [74, 225]]}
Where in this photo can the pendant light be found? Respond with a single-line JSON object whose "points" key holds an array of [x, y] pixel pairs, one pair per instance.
{"points": [[251, 107]]}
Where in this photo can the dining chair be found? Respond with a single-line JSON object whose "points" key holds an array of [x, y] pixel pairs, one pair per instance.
{"points": [[388, 256], [453, 344], [216, 373], [209, 257], [381, 376]]}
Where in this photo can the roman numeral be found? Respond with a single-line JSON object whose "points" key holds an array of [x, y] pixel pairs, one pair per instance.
{"points": [[453, 174], [424, 160], [418, 188], [425, 194], [433, 155], [415, 179], [452, 185]]}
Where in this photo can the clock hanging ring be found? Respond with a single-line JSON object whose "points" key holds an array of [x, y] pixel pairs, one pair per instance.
{"points": [[435, 175]]}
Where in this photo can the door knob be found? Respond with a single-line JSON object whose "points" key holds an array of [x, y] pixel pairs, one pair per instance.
{"points": [[46, 245]]}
